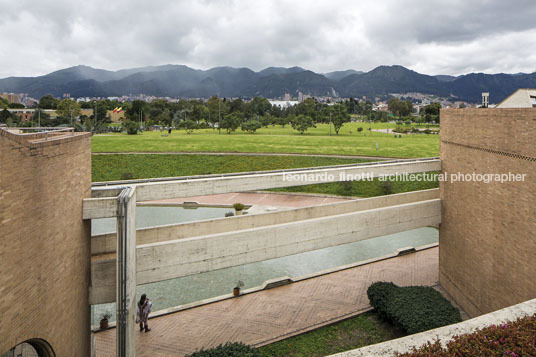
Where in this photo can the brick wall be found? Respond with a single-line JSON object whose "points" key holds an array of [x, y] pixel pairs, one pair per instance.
{"points": [[44, 244], [488, 233]]}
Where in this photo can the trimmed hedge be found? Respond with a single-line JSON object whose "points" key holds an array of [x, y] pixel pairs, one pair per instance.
{"points": [[235, 349], [515, 339], [412, 308]]}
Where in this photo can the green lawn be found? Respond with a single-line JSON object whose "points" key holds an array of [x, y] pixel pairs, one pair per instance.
{"points": [[276, 140], [364, 188], [114, 167], [359, 331], [131, 166]]}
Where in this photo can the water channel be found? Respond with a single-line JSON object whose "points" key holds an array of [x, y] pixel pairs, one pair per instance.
{"points": [[173, 292]]}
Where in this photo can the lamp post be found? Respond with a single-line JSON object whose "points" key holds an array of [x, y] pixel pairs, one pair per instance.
{"points": [[330, 123]]}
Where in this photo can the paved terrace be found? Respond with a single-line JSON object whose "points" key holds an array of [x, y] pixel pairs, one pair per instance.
{"points": [[271, 315]]}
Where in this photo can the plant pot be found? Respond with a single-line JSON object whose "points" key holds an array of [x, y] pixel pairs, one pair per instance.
{"points": [[238, 212], [103, 324], [236, 291]]}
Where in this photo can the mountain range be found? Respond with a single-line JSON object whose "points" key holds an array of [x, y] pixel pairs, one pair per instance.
{"points": [[272, 82]]}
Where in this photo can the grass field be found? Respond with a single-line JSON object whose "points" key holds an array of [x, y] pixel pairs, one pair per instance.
{"points": [[114, 167], [359, 331], [276, 140], [131, 166], [363, 188]]}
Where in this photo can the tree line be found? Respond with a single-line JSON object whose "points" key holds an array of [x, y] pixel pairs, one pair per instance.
{"points": [[218, 113]]}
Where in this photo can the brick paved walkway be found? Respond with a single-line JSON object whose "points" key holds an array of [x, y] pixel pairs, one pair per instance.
{"points": [[270, 315]]}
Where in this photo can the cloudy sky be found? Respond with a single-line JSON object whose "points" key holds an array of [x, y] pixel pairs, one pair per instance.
{"points": [[428, 36]]}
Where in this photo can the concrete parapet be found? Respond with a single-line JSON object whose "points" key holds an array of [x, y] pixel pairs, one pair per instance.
{"points": [[187, 187], [182, 257], [105, 243]]}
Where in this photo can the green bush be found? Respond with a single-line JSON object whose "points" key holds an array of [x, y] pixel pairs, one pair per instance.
{"points": [[127, 176], [238, 206], [412, 308], [378, 295], [235, 349], [514, 339], [131, 127], [387, 187]]}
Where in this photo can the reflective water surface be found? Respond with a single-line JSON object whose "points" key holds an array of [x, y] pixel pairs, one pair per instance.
{"points": [[188, 289]]}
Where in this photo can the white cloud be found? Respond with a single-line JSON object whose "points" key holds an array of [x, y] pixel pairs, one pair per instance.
{"points": [[433, 37]]}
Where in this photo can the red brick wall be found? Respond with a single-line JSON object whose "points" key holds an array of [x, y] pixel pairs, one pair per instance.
{"points": [[487, 237], [44, 248]]}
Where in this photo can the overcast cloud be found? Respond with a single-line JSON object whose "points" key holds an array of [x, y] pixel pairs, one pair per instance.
{"points": [[431, 37]]}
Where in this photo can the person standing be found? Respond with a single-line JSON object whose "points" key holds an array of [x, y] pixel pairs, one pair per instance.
{"points": [[143, 310]]}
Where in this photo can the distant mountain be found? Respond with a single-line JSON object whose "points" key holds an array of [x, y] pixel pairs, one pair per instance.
{"points": [[280, 70], [384, 80], [272, 82], [338, 75], [499, 86], [307, 82], [445, 78]]}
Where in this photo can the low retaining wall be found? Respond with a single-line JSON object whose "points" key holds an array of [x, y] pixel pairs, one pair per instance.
{"points": [[445, 334], [106, 243], [268, 283], [200, 186], [188, 256]]}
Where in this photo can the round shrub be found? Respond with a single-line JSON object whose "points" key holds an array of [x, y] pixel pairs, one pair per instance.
{"points": [[131, 127], [378, 294], [412, 308], [238, 206]]}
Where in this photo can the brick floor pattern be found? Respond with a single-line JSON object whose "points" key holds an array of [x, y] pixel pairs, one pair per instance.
{"points": [[270, 315]]}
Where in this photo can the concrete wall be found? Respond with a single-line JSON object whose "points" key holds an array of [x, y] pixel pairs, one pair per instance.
{"points": [[188, 256], [106, 243], [44, 244], [487, 245], [259, 181]]}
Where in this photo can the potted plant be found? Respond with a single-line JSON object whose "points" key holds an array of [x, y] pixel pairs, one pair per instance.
{"points": [[239, 207], [236, 290], [104, 320]]}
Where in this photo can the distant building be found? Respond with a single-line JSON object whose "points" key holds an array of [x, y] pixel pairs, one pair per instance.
{"points": [[485, 99], [302, 97], [10, 97], [521, 98], [283, 103], [286, 97], [24, 114], [30, 102]]}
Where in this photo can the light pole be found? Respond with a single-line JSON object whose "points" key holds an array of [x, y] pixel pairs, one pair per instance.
{"points": [[219, 116]]}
